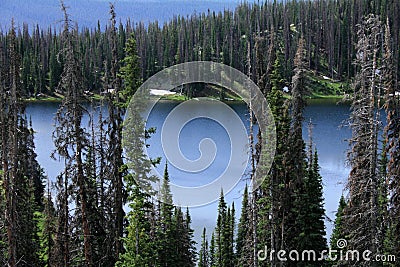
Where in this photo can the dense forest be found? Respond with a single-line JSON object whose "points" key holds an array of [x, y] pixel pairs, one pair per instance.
{"points": [[312, 47], [329, 30]]}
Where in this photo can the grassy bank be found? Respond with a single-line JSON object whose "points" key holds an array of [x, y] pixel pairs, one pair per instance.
{"points": [[43, 99], [58, 99]]}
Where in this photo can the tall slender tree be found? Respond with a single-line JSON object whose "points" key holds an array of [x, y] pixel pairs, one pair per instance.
{"points": [[212, 251], [293, 203], [113, 157], [338, 231], [243, 253], [3, 150], [46, 221], [21, 179], [363, 225], [167, 240], [70, 139], [203, 254], [273, 190], [185, 250], [392, 131], [139, 246]]}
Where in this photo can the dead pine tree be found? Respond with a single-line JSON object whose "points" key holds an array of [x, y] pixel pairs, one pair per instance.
{"points": [[361, 218], [3, 153], [70, 138], [114, 155], [18, 163], [9, 123], [392, 135], [253, 160]]}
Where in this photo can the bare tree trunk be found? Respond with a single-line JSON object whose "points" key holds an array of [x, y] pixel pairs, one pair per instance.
{"points": [[66, 223], [83, 197]]}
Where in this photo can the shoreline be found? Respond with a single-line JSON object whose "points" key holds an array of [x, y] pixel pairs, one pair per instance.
{"points": [[314, 97]]}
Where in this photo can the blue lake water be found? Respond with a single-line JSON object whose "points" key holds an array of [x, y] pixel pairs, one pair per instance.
{"points": [[329, 138]]}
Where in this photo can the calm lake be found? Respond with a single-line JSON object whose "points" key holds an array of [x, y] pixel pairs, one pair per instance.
{"points": [[328, 135]]}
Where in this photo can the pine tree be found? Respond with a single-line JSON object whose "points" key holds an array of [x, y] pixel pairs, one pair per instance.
{"points": [[166, 240], [33, 170], [139, 247], [46, 221], [114, 167], [212, 251], [30, 194], [274, 189], [185, 249], [130, 71], [230, 234], [22, 176], [338, 231], [297, 106], [243, 255], [224, 235], [392, 145], [62, 236], [9, 148], [3, 151], [311, 216], [220, 241], [203, 254], [95, 218], [365, 231], [293, 202], [70, 140], [138, 243], [310, 213]]}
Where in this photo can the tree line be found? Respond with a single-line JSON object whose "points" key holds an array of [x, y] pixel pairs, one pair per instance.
{"points": [[328, 28]]}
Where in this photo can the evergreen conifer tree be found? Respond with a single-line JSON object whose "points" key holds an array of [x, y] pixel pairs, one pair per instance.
{"points": [[338, 231], [203, 254], [212, 251]]}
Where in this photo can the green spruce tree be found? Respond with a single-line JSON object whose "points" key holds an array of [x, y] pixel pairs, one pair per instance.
{"points": [[338, 231], [203, 254]]}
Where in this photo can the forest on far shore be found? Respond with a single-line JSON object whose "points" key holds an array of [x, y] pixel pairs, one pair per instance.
{"points": [[329, 29]]}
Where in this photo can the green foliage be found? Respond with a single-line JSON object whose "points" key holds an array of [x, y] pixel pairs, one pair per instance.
{"points": [[328, 29], [243, 229], [289, 203], [138, 245], [130, 71], [224, 235], [184, 249], [338, 232], [139, 248], [203, 254], [46, 225], [311, 213], [166, 239], [212, 251]]}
